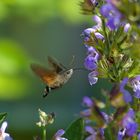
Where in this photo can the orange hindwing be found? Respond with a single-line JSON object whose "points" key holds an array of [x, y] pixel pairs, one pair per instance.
{"points": [[48, 76]]}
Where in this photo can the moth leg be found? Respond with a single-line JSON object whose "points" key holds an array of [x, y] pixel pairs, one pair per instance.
{"points": [[46, 91]]}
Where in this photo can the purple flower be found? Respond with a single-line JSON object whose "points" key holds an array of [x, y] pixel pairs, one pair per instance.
{"points": [[135, 83], [92, 114], [106, 117], [92, 133], [87, 32], [101, 130], [106, 10], [112, 14], [99, 36], [129, 124], [87, 101], [98, 22], [127, 27], [58, 135], [90, 62], [113, 23], [121, 133], [3, 135], [131, 113], [93, 1], [92, 77], [131, 128], [86, 113], [126, 95], [92, 51], [139, 136]]}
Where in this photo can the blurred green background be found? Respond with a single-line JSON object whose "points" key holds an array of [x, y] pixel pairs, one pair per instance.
{"points": [[30, 30]]}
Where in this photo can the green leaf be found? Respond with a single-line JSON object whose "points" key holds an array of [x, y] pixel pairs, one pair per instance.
{"points": [[76, 130], [2, 116], [108, 132], [13, 62]]}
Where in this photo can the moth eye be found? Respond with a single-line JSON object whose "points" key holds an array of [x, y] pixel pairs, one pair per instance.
{"points": [[68, 72]]}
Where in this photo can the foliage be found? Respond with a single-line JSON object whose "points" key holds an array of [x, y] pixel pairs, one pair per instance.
{"points": [[39, 10], [76, 130], [2, 117], [13, 62]]}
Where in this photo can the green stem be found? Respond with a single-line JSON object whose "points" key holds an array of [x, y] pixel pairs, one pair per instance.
{"points": [[111, 132], [138, 105], [44, 133], [105, 35], [109, 135], [108, 104]]}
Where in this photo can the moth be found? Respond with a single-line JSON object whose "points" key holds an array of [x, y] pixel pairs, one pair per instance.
{"points": [[54, 77]]}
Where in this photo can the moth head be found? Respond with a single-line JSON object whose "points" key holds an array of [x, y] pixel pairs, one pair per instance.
{"points": [[68, 73]]}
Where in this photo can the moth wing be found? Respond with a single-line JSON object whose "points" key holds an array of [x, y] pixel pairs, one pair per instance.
{"points": [[58, 67], [46, 75]]}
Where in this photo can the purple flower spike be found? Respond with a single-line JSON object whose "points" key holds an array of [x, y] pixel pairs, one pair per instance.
{"points": [[87, 101], [126, 95], [92, 77]]}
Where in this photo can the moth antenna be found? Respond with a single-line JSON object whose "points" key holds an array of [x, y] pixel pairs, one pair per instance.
{"points": [[72, 61]]}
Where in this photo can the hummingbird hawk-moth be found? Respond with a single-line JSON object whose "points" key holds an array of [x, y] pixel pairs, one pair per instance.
{"points": [[55, 77]]}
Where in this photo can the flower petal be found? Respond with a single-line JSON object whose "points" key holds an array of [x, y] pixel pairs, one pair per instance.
{"points": [[126, 27], [137, 93], [88, 101], [3, 127], [92, 77], [59, 133], [90, 62]]}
